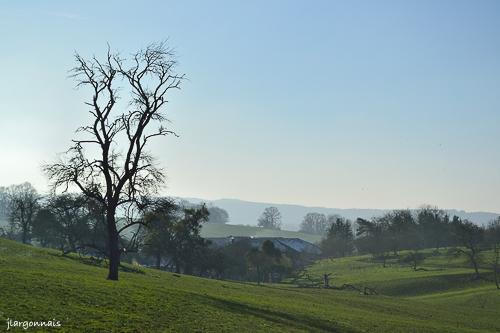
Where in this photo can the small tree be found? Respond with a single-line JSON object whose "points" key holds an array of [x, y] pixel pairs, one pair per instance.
{"points": [[402, 230], [117, 171], [267, 260], [255, 259], [414, 258], [22, 207], [72, 216], [434, 226], [270, 218], [173, 232], [339, 240], [4, 204], [314, 223], [469, 237], [47, 230], [218, 215], [373, 238], [158, 237]]}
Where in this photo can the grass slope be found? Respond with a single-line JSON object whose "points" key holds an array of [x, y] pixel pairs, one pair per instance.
{"points": [[39, 284], [224, 230]]}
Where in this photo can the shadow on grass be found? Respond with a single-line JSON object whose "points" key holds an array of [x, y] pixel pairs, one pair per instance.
{"points": [[97, 262], [295, 321], [408, 287], [276, 286]]}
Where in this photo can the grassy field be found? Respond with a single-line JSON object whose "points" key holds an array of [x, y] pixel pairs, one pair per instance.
{"points": [[224, 230], [40, 284]]}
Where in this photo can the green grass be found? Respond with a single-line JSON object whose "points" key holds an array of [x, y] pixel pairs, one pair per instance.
{"points": [[438, 273], [224, 230], [39, 284]]}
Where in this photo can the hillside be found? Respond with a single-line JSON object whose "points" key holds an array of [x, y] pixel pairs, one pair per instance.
{"points": [[247, 212], [39, 284], [224, 230]]}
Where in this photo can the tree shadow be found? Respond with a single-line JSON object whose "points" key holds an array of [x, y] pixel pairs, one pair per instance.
{"points": [[97, 262], [297, 321]]}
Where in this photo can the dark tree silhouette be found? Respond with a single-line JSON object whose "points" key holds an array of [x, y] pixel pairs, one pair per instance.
{"points": [[21, 209], [373, 237], [339, 240], [122, 174], [174, 232]]}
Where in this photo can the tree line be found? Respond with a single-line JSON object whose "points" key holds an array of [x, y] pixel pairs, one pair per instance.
{"points": [[428, 228], [166, 235]]}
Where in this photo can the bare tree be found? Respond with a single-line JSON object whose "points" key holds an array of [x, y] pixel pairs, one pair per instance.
{"points": [[22, 207], [270, 218], [470, 238], [4, 201], [108, 162], [314, 223]]}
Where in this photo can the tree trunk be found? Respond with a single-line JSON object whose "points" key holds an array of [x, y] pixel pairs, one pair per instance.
{"points": [[25, 236], [495, 266], [114, 249], [24, 228], [474, 263], [158, 261], [495, 273]]}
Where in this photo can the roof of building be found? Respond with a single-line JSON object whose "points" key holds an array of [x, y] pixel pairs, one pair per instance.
{"points": [[282, 243]]}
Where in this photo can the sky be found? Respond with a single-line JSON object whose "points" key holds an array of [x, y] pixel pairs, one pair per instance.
{"points": [[347, 104]]}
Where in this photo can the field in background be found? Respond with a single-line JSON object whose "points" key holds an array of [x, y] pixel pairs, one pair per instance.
{"points": [[225, 230], [40, 284], [440, 275]]}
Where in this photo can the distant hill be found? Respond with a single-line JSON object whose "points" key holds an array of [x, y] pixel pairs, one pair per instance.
{"points": [[247, 212]]}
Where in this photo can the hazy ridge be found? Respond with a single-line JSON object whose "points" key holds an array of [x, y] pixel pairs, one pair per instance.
{"points": [[247, 212]]}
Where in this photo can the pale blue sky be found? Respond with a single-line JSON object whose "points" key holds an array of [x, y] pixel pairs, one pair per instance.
{"points": [[379, 104]]}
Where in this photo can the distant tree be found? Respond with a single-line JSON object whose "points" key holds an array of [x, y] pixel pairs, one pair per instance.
{"points": [[275, 262], [402, 230], [217, 215], [434, 226], [314, 223], [47, 229], [267, 260], [158, 239], [213, 263], [255, 259], [72, 216], [469, 237], [270, 218], [373, 238], [22, 207], [235, 254], [174, 233], [493, 240], [188, 242], [4, 204], [117, 170], [339, 240], [414, 258]]}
